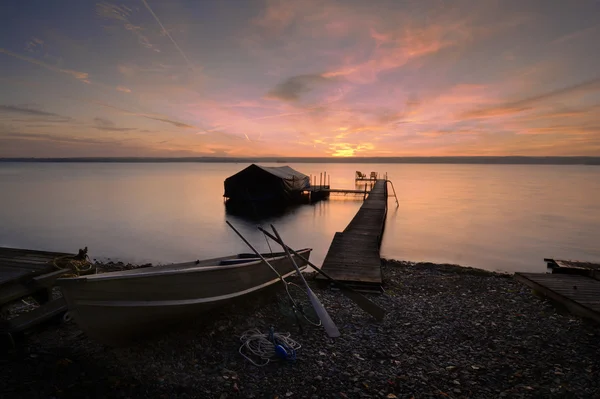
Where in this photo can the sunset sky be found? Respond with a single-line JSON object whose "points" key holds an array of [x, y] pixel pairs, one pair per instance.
{"points": [[299, 78]]}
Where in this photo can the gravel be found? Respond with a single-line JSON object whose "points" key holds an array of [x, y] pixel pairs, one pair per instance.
{"points": [[450, 332]]}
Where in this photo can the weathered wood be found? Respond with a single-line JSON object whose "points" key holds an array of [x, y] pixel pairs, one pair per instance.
{"points": [[579, 294], [35, 316], [561, 266], [23, 273], [16, 290], [18, 264], [353, 256]]}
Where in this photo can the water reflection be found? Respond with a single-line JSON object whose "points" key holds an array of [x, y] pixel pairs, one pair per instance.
{"points": [[506, 217], [259, 211]]}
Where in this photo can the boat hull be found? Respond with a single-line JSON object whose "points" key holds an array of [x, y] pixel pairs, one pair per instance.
{"points": [[118, 308]]}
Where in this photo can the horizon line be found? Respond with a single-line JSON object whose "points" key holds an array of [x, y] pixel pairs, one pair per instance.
{"points": [[498, 159]]}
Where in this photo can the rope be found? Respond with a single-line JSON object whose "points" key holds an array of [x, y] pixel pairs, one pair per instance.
{"points": [[79, 264], [267, 347], [296, 308], [301, 293]]}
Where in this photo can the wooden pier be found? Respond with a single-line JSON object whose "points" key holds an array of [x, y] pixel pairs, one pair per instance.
{"points": [[579, 294], [25, 273], [573, 284], [573, 267], [353, 256]]}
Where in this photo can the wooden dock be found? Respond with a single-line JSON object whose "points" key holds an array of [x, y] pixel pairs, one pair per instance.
{"points": [[353, 256], [561, 266], [25, 273], [578, 293]]}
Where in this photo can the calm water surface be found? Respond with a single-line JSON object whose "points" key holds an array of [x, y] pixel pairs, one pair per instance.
{"points": [[496, 217]]}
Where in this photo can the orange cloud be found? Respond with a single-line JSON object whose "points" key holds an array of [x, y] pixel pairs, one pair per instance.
{"points": [[81, 76]]}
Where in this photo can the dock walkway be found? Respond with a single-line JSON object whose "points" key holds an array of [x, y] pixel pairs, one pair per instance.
{"points": [[578, 293], [353, 256]]}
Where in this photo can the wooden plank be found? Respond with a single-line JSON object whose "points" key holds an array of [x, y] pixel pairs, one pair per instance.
{"points": [[575, 264], [16, 290], [35, 316], [579, 294], [18, 264], [353, 256], [29, 252]]}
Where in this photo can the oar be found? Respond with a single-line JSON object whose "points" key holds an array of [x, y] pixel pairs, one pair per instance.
{"points": [[330, 327], [363, 302], [292, 304]]}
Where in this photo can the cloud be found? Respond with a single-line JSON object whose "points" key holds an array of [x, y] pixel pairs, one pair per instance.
{"points": [[394, 48], [292, 88], [122, 13], [168, 120], [33, 44], [82, 76], [349, 149], [108, 125], [123, 89], [576, 35], [26, 110], [130, 69], [54, 137], [159, 118], [529, 103]]}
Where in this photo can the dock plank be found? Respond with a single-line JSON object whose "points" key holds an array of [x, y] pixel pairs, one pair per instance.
{"points": [[579, 294], [18, 264], [353, 256]]}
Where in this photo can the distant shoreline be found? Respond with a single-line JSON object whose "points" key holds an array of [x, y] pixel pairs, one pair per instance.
{"points": [[506, 160]]}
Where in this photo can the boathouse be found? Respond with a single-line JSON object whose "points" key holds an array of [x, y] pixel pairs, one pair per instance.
{"points": [[268, 184]]}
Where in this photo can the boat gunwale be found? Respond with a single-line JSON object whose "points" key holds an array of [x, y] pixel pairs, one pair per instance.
{"points": [[147, 272]]}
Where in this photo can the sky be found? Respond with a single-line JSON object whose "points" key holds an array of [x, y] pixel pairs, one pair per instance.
{"points": [[299, 78]]}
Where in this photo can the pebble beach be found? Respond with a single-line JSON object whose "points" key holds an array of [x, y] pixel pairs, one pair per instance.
{"points": [[449, 332]]}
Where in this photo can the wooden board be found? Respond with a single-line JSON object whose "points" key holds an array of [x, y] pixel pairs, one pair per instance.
{"points": [[579, 294], [353, 256], [35, 316], [21, 264]]}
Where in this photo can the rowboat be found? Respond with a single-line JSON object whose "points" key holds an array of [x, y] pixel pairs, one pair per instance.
{"points": [[120, 306]]}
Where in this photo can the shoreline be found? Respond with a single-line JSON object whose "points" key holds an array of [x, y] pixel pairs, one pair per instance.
{"points": [[451, 331]]}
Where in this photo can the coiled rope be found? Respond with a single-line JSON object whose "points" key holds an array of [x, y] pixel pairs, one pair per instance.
{"points": [[267, 347], [79, 264]]}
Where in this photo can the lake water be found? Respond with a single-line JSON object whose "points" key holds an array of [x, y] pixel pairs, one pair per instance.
{"points": [[495, 217]]}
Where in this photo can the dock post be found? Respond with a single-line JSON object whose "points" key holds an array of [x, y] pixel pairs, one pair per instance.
{"points": [[320, 179], [324, 178]]}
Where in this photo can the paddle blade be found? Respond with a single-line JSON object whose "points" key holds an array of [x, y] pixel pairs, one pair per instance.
{"points": [[330, 327]]}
